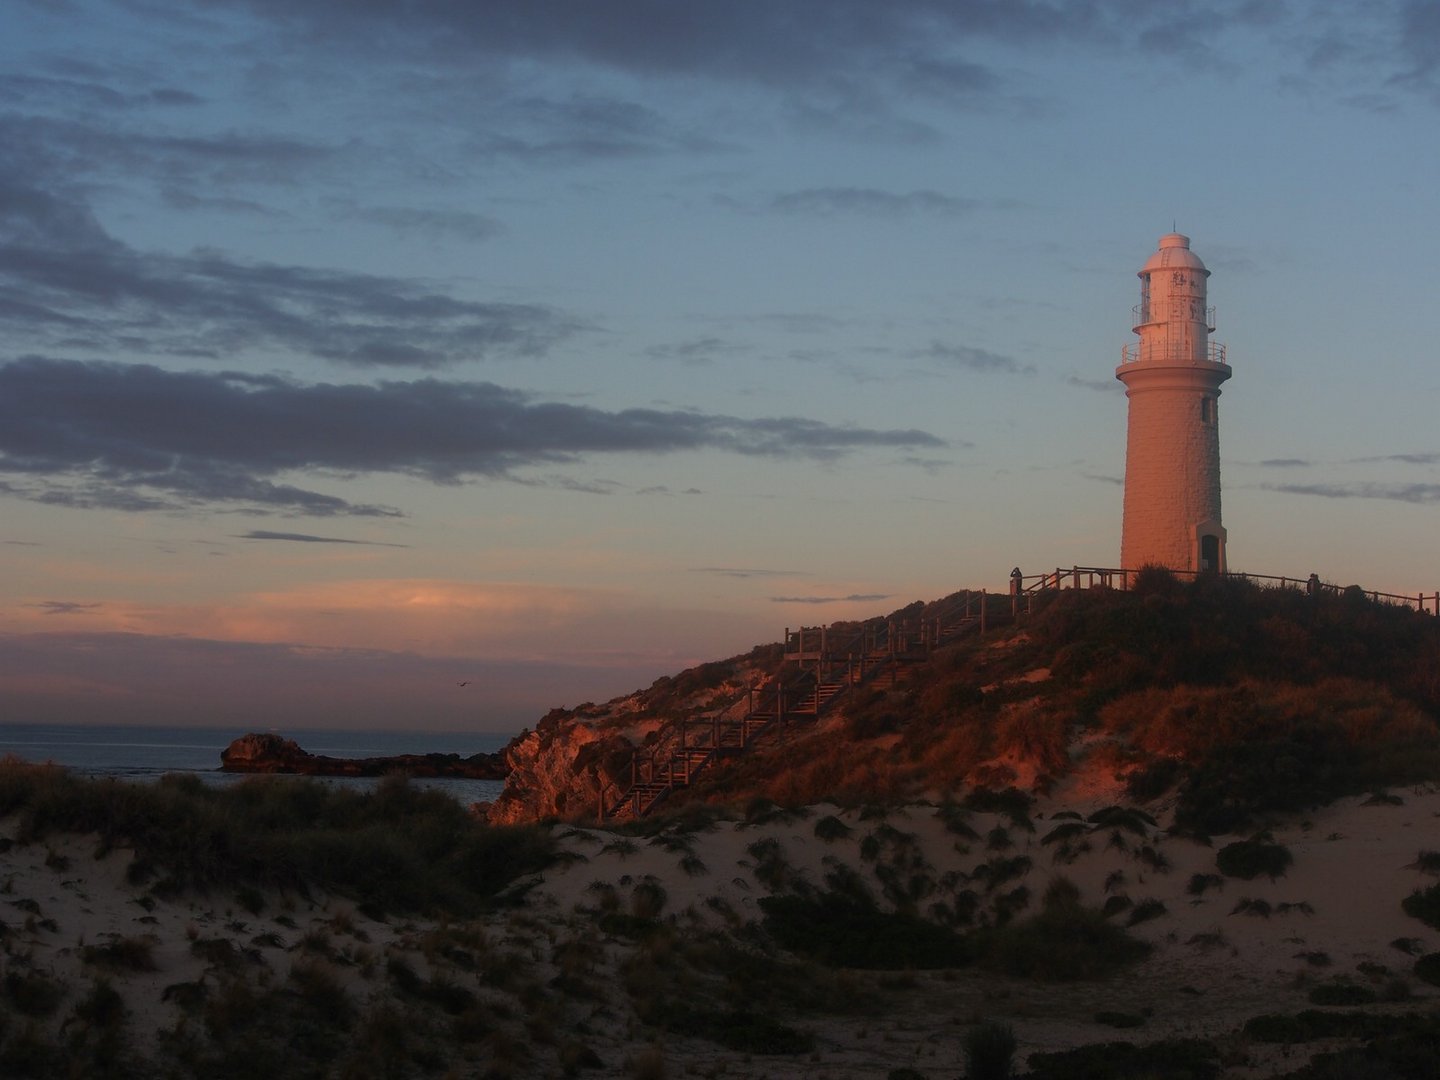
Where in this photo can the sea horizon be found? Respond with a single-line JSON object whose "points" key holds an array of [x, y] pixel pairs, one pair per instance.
{"points": [[145, 752]]}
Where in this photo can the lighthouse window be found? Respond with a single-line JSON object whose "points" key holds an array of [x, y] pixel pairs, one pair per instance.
{"points": [[1144, 298], [1207, 410]]}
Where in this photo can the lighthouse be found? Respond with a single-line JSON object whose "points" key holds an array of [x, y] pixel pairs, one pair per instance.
{"points": [[1172, 378]]}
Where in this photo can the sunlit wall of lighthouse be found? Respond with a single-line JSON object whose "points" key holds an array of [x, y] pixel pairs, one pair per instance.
{"points": [[1172, 377]]}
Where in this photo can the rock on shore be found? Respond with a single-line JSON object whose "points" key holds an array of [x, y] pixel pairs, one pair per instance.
{"points": [[271, 753]]}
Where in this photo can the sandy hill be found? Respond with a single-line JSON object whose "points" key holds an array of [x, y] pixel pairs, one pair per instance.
{"points": [[1240, 699]]}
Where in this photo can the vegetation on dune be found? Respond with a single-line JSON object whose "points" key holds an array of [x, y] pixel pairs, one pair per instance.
{"points": [[1063, 942], [396, 848], [1424, 904], [1170, 1059], [1405, 1045], [1246, 700], [845, 930], [1248, 859], [989, 1052]]}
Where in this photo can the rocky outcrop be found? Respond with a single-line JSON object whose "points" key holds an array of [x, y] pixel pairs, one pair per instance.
{"points": [[577, 758], [561, 769], [271, 753]]}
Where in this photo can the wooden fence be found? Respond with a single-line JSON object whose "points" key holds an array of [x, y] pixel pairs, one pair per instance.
{"points": [[1025, 587]]}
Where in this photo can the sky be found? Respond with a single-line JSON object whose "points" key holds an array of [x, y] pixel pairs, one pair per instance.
{"points": [[351, 351]]}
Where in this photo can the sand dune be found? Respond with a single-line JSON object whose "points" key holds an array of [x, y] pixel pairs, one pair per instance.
{"points": [[1218, 958]]}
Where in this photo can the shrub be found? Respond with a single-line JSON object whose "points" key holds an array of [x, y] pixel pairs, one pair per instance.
{"points": [[1155, 778], [1061, 892], [1145, 911], [957, 820], [989, 1052], [102, 1007], [841, 931], [1011, 802], [693, 865], [1169, 1059], [1064, 942], [1067, 830], [1342, 994], [647, 899], [998, 839], [1248, 906], [1428, 968], [1116, 904], [1249, 859], [830, 828], [648, 1064], [402, 848], [575, 1055], [1424, 904], [31, 993], [122, 954], [738, 1029], [1119, 1019], [997, 871], [1122, 817]]}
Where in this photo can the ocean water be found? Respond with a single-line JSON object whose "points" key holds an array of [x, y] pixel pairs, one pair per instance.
{"points": [[145, 753]]}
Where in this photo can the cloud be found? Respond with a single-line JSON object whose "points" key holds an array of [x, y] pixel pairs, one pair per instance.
{"points": [[428, 223], [742, 572], [848, 64], [1419, 41], [305, 538], [65, 282], [1103, 386], [973, 359], [802, 43], [1287, 463], [67, 149], [870, 202], [180, 199], [136, 437], [1428, 458], [695, 351], [853, 598], [22, 89], [586, 127], [64, 607], [1418, 494]]}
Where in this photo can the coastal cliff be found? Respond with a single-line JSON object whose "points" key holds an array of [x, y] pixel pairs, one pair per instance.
{"points": [[577, 758], [266, 752]]}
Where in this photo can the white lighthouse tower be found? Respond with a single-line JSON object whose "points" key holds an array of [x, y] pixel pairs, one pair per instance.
{"points": [[1172, 377]]}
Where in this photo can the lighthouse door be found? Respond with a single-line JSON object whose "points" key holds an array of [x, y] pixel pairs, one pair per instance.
{"points": [[1209, 552]]}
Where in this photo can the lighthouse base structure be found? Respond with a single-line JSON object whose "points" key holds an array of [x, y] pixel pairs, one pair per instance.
{"points": [[1172, 466]]}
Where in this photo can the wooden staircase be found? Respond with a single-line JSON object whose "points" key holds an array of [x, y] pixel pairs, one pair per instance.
{"points": [[689, 746], [822, 664]]}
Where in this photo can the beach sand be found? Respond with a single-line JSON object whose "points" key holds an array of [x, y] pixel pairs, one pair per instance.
{"points": [[569, 994]]}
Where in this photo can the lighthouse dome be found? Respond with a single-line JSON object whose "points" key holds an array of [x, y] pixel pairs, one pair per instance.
{"points": [[1174, 254]]}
